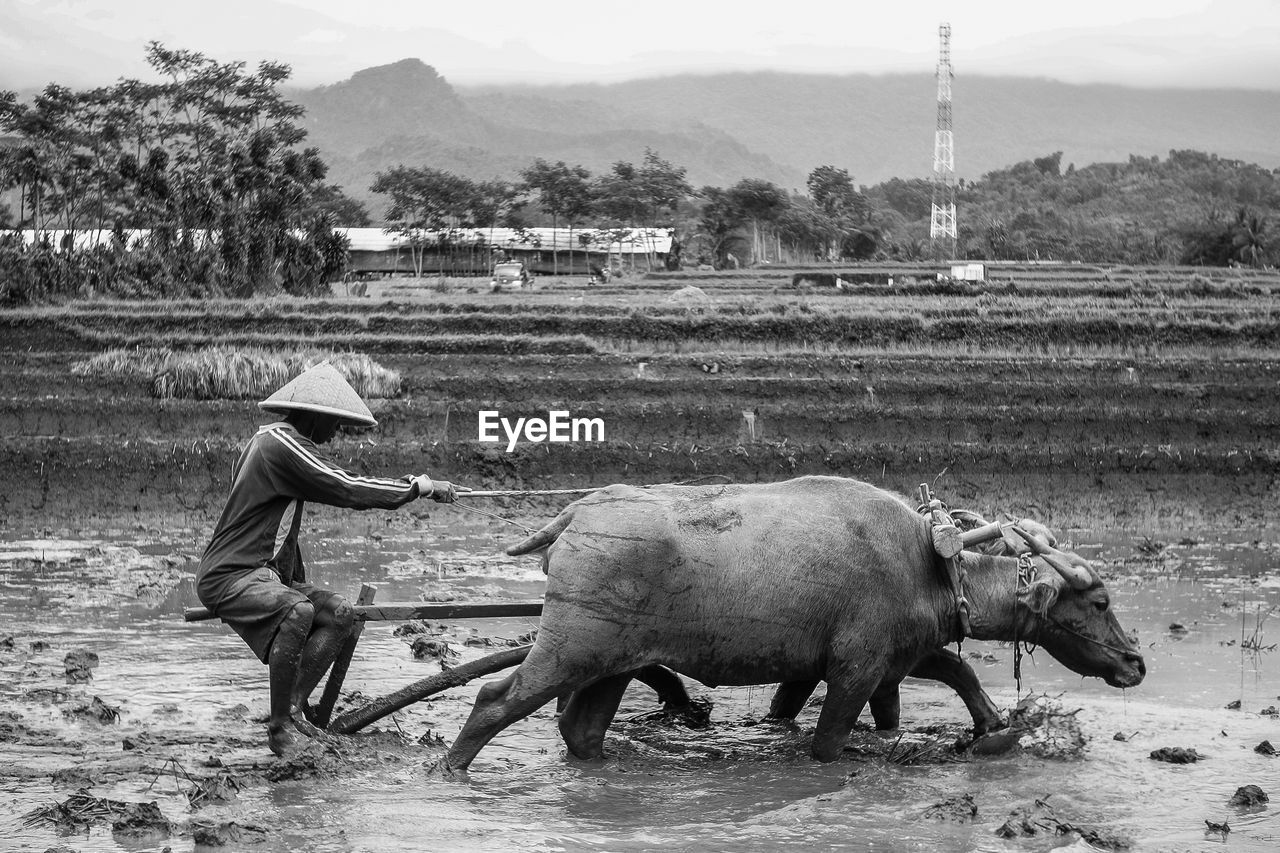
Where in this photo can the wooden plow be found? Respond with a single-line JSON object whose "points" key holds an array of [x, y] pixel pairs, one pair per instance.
{"points": [[367, 611]]}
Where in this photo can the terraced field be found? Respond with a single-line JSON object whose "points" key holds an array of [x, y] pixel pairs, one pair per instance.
{"points": [[1131, 398]]}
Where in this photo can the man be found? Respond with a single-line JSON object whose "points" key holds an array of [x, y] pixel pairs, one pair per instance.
{"points": [[251, 575]]}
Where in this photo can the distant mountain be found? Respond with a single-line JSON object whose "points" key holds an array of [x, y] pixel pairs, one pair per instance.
{"points": [[407, 113], [776, 126], [881, 126]]}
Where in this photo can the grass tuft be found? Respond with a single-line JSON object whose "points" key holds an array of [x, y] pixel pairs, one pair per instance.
{"points": [[230, 373]]}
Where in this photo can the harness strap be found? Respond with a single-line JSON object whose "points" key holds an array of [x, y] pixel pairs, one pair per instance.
{"points": [[937, 513], [1026, 569]]}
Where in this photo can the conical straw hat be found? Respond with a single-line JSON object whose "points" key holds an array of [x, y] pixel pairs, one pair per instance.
{"points": [[321, 389]]}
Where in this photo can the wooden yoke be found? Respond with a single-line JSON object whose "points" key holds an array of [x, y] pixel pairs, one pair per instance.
{"points": [[948, 542]]}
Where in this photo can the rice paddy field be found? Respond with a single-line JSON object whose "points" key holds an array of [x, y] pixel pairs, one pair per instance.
{"points": [[1080, 394]]}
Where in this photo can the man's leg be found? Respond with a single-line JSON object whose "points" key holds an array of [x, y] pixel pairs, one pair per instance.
{"points": [[329, 629], [287, 652]]}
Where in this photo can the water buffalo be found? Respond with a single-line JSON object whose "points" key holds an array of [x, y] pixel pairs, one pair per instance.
{"points": [[941, 665], [817, 578]]}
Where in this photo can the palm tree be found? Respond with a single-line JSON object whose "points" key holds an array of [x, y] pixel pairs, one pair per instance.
{"points": [[1249, 237]]}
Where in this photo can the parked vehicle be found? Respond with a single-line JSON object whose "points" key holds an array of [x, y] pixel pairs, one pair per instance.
{"points": [[510, 275]]}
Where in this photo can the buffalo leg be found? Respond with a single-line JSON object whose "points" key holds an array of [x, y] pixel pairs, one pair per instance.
{"points": [[667, 684], [948, 667], [500, 703], [789, 698], [589, 713], [886, 705], [849, 686], [940, 665]]}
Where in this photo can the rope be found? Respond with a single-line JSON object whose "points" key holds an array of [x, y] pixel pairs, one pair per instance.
{"points": [[524, 493], [480, 511], [1069, 630]]}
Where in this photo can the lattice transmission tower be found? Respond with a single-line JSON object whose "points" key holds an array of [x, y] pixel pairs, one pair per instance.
{"points": [[942, 219]]}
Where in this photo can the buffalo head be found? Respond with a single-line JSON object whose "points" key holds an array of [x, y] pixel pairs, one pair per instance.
{"points": [[1067, 609]]}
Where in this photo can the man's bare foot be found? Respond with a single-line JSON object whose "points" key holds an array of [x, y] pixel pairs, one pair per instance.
{"points": [[282, 740]]}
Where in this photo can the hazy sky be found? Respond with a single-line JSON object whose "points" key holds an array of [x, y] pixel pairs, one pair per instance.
{"points": [[1184, 43]]}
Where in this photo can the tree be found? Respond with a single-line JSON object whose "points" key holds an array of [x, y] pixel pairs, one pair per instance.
{"points": [[717, 221], [831, 189], [341, 209], [807, 228], [211, 146], [912, 198], [492, 203], [563, 191], [1050, 164], [1249, 237], [761, 203], [662, 187], [423, 203]]}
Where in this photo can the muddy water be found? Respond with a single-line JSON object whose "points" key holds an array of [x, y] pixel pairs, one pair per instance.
{"points": [[189, 692]]}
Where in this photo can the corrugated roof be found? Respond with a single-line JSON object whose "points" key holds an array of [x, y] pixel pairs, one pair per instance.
{"points": [[616, 240]]}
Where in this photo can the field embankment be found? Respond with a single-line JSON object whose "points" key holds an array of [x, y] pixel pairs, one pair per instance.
{"points": [[1143, 399]]}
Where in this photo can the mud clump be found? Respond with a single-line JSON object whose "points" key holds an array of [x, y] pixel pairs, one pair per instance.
{"points": [[79, 665], [1176, 755], [432, 648], [223, 788], [1039, 819], [410, 629], [232, 714], [1039, 726], [11, 726], [956, 809], [225, 833], [81, 810], [78, 777], [1265, 748], [96, 711], [141, 819], [1248, 795], [48, 695], [306, 764]]}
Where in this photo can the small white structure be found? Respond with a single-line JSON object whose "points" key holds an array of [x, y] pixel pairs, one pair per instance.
{"points": [[969, 272]]}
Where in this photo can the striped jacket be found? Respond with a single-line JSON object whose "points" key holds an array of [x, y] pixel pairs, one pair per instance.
{"points": [[278, 470]]}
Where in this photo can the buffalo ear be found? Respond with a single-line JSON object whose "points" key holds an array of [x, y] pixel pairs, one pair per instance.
{"points": [[1042, 593]]}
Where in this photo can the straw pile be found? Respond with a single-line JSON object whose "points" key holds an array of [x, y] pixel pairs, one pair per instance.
{"points": [[227, 373]]}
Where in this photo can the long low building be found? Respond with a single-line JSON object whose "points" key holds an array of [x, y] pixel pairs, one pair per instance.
{"points": [[474, 250]]}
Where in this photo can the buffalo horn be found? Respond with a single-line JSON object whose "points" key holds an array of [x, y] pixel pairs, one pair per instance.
{"points": [[1077, 576]]}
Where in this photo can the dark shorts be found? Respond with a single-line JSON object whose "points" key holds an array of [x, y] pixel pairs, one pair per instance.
{"points": [[256, 603]]}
